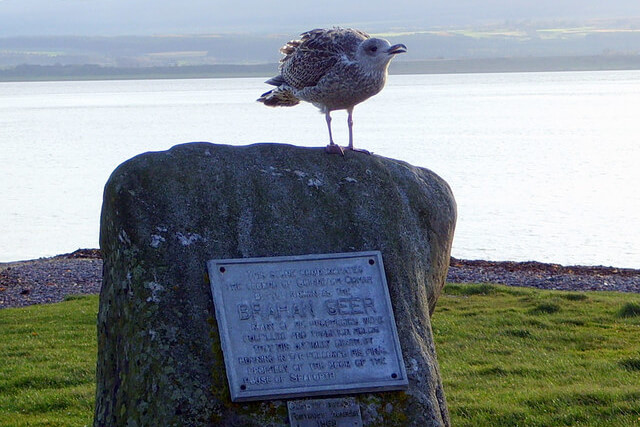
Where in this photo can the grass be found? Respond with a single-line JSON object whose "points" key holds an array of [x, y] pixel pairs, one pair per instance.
{"points": [[47, 364], [629, 309], [524, 357], [508, 357]]}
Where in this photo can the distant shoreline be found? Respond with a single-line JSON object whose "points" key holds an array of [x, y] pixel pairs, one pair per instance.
{"points": [[26, 72]]}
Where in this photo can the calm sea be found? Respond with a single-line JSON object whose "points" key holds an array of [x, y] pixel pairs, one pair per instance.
{"points": [[544, 166]]}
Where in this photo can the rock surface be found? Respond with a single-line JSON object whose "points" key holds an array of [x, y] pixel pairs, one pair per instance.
{"points": [[165, 214]]}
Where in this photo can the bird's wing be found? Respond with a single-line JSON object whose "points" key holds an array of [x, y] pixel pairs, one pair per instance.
{"points": [[307, 60]]}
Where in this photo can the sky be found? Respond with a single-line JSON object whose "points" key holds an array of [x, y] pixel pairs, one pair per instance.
{"points": [[148, 17]]}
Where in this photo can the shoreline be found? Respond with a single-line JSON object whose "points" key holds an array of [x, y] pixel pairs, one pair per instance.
{"points": [[49, 280], [91, 72], [479, 263]]}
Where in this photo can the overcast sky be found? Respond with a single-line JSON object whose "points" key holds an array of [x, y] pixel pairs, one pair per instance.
{"points": [[144, 17]]}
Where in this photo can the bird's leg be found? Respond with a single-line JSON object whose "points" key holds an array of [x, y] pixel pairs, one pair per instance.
{"points": [[332, 148], [350, 124], [327, 117]]}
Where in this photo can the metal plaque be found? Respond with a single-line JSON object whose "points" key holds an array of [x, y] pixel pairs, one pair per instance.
{"points": [[340, 412], [306, 325]]}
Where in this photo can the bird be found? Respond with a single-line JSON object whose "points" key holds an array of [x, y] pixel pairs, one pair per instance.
{"points": [[333, 69]]}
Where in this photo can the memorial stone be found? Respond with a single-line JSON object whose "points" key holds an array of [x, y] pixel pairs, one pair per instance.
{"points": [[166, 214]]}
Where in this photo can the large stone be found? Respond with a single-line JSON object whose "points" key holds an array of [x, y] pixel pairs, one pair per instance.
{"points": [[166, 214]]}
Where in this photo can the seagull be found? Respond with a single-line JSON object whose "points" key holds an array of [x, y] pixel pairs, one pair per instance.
{"points": [[334, 69]]}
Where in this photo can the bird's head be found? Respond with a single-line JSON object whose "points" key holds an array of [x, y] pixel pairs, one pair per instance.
{"points": [[376, 53]]}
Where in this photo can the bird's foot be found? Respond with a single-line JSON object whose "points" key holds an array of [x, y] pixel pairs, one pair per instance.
{"points": [[334, 149], [360, 150]]}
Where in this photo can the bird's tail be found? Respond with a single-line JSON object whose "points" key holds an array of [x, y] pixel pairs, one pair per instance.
{"points": [[282, 96]]}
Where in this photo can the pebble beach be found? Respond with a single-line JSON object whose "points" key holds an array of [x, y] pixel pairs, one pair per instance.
{"points": [[50, 280]]}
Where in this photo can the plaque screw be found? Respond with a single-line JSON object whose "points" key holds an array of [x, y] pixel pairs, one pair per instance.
{"points": [[394, 375], [244, 387], [222, 269], [371, 262]]}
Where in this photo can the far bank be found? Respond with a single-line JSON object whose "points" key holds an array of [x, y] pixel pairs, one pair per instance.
{"points": [[28, 72]]}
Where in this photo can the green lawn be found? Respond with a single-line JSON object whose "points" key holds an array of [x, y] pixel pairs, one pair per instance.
{"points": [[522, 357], [47, 364], [508, 356]]}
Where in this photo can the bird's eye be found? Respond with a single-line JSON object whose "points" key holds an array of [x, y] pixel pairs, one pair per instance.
{"points": [[374, 48]]}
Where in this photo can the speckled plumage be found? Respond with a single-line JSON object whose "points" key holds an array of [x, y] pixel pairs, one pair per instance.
{"points": [[334, 69]]}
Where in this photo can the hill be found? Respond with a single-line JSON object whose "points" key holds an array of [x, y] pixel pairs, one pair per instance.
{"points": [[522, 46]]}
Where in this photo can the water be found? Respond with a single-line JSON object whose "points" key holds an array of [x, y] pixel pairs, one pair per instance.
{"points": [[544, 166]]}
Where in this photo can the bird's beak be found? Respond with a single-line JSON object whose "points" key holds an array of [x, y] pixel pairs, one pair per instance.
{"points": [[397, 48]]}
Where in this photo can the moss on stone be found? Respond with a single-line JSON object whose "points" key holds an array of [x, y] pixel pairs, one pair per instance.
{"points": [[166, 214]]}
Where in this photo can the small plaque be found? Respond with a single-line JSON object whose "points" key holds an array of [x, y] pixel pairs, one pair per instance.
{"points": [[340, 412], [306, 325]]}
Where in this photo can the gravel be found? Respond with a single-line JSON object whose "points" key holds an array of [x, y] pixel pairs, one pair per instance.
{"points": [[545, 276], [49, 280]]}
